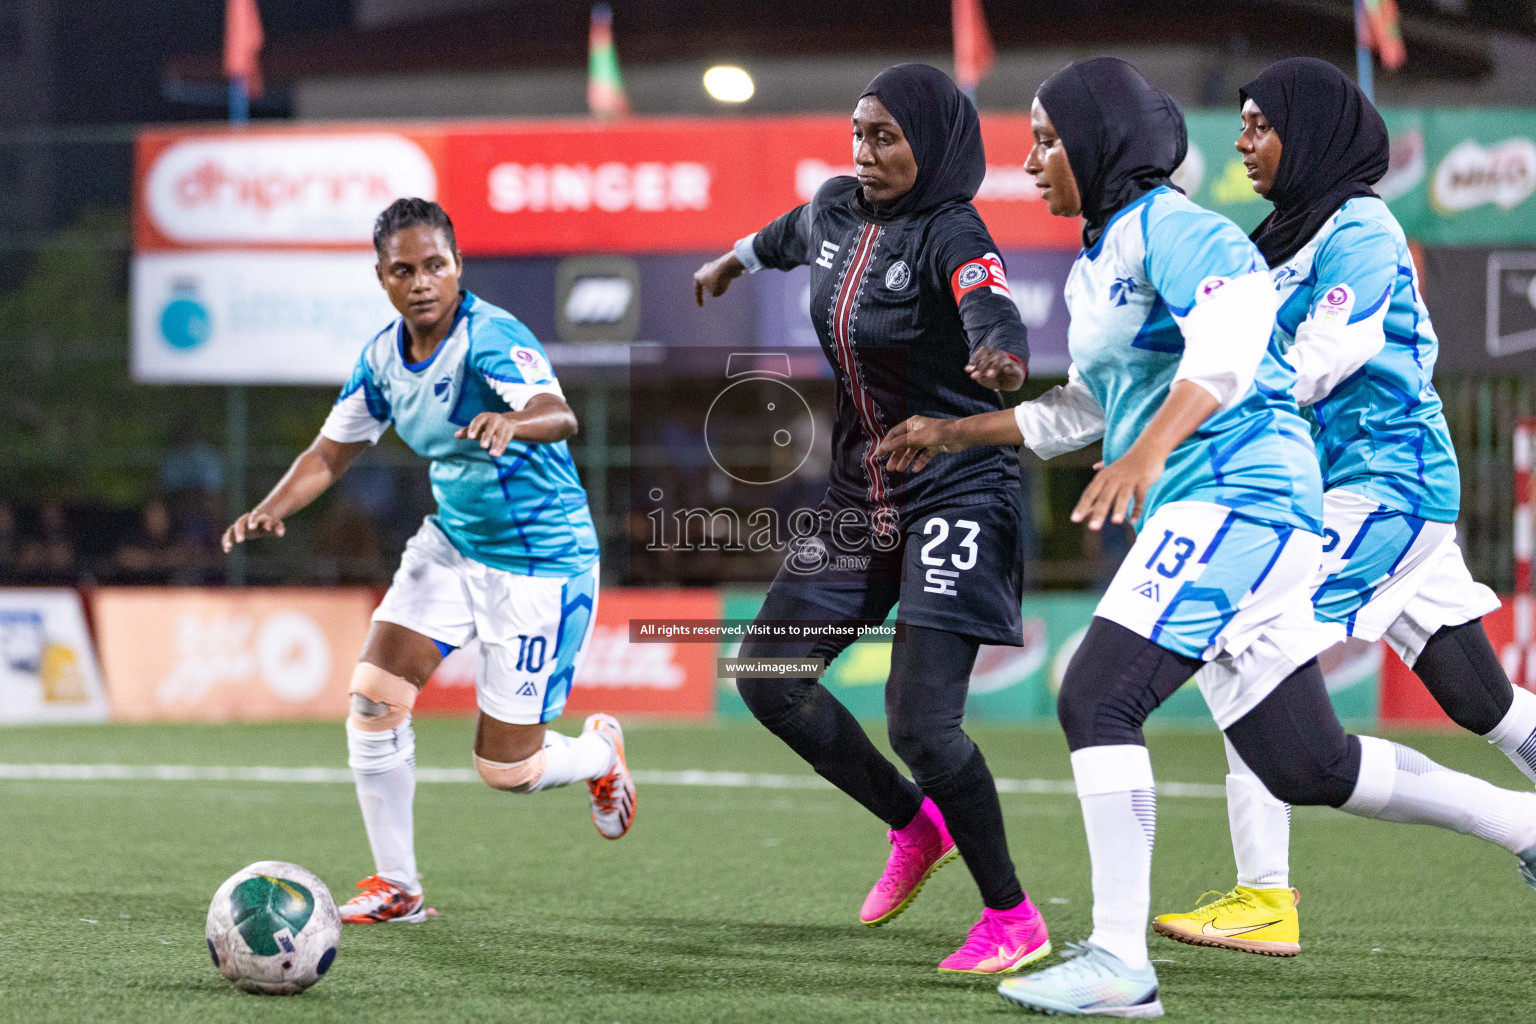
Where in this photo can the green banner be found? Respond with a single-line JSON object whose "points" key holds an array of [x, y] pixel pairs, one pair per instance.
{"points": [[1019, 684], [1457, 176]]}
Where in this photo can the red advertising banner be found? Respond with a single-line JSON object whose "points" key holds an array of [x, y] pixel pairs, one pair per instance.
{"points": [[662, 679], [532, 187]]}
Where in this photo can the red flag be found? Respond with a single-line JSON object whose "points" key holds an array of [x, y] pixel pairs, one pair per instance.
{"points": [[605, 86], [974, 53], [242, 43], [1386, 33]]}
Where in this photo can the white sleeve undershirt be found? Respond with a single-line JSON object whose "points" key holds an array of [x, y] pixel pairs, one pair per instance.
{"points": [[748, 255], [1226, 335], [1328, 351], [1062, 420], [519, 395]]}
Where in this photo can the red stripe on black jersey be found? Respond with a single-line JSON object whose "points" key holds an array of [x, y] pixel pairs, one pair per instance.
{"points": [[843, 312], [986, 271]]}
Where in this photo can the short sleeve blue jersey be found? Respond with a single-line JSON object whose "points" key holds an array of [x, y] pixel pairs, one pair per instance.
{"points": [[526, 511], [1381, 431], [1131, 298]]}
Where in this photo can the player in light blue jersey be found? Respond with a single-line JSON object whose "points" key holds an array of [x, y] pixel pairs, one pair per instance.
{"points": [[1355, 327], [510, 558], [1175, 366]]}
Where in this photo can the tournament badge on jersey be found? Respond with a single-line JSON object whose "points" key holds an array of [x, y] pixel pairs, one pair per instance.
{"points": [[1338, 303], [532, 365], [1210, 286]]}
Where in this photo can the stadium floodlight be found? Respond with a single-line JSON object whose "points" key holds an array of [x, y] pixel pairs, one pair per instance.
{"points": [[728, 84]]}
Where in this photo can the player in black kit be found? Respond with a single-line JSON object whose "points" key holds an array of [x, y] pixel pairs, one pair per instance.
{"points": [[912, 307]]}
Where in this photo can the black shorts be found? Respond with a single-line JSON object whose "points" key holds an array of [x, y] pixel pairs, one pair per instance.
{"points": [[955, 567]]}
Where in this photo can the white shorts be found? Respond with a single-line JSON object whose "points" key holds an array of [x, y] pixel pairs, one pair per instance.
{"points": [[1207, 582], [1388, 575], [533, 630], [1382, 575]]}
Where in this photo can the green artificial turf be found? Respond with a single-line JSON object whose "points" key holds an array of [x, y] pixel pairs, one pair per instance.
{"points": [[721, 905]]}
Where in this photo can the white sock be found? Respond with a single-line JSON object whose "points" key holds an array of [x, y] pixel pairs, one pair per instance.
{"points": [[1516, 733], [1114, 785], [573, 758], [384, 768], [1261, 828], [1398, 783]]}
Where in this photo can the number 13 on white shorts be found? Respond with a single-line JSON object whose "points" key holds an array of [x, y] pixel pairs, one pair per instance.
{"points": [[1200, 577]]}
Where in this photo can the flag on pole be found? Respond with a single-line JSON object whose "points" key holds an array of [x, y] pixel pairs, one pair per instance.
{"points": [[605, 86], [974, 54], [1384, 33], [242, 43]]}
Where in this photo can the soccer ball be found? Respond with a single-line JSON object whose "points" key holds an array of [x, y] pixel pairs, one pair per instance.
{"points": [[273, 929]]}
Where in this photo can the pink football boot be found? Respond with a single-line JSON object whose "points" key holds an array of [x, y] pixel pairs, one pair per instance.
{"points": [[1001, 942], [917, 851]]}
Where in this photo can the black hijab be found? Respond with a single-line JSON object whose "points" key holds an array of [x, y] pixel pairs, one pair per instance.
{"points": [[1123, 137], [1333, 148], [941, 126]]}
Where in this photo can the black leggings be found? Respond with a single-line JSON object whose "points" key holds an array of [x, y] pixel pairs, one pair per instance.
{"points": [[925, 705], [1463, 674], [1292, 740]]}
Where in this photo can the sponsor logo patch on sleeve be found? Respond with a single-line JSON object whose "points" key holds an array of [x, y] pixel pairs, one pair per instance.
{"points": [[532, 365], [1337, 304], [1210, 286], [984, 272]]}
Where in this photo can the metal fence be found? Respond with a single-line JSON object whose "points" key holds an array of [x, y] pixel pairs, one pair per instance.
{"points": [[1482, 412]]}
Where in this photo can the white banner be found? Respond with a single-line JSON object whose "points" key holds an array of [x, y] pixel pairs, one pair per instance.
{"points": [[254, 317], [288, 189], [48, 669]]}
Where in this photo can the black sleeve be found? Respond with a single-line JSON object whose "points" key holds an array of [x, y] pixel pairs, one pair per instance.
{"points": [[786, 243], [965, 260]]}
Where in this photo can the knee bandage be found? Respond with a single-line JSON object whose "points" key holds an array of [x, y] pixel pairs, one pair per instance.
{"points": [[517, 777], [381, 701]]}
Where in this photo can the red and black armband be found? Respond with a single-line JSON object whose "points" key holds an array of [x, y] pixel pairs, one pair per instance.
{"points": [[983, 272]]}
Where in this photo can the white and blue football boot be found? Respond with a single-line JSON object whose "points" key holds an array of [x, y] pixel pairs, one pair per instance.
{"points": [[1527, 859], [1093, 983]]}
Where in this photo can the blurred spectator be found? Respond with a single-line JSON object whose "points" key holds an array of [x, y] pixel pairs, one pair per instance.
{"points": [[154, 554], [47, 553], [374, 487], [192, 480], [10, 543], [683, 474], [1106, 549], [347, 548], [1029, 532]]}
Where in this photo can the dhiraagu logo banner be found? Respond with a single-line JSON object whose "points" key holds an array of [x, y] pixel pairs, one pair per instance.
{"points": [[1456, 177], [1020, 684]]}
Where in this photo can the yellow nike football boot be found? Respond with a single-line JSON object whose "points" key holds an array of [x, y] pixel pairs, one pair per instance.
{"points": [[1262, 921]]}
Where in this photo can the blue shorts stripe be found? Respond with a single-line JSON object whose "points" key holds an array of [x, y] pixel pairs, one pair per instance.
{"points": [[1221, 533], [1381, 514], [576, 606], [1415, 528], [1283, 535]]}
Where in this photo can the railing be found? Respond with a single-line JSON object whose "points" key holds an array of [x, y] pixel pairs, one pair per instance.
{"points": [[1520, 657]]}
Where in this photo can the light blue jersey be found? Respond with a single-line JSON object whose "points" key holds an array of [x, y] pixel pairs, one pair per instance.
{"points": [[525, 512], [1365, 352], [1173, 291]]}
